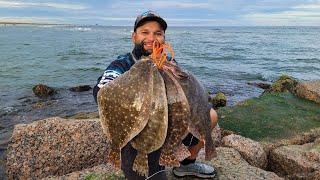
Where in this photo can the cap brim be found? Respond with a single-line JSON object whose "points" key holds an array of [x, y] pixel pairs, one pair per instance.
{"points": [[154, 18]]}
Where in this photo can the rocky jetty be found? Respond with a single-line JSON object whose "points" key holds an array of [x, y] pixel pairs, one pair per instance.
{"points": [[275, 136]]}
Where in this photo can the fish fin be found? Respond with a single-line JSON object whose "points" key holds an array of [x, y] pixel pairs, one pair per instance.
{"points": [[182, 152], [114, 158], [140, 164], [169, 159], [210, 149]]}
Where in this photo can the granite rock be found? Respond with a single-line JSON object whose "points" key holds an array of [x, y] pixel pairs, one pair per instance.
{"points": [[102, 171], [296, 160], [229, 165], [55, 146], [250, 150], [309, 90]]}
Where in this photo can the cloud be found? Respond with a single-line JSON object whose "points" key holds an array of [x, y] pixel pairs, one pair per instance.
{"points": [[20, 4], [184, 12], [160, 4], [312, 7], [303, 14], [290, 18]]}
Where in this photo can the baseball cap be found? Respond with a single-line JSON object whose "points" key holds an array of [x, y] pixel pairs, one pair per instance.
{"points": [[149, 16]]}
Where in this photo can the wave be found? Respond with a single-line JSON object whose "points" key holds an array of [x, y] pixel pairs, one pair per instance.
{"points": [[77, 52], [81, 29], [234, 49], [308, 60], [219, 58]]}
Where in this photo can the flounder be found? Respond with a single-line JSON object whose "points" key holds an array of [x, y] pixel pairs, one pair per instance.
{"points": [[124, 107], [153, 136], [178, 117], [200, 121]]}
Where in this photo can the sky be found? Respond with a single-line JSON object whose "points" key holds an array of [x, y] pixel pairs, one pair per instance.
{"points": [[176, 13]]}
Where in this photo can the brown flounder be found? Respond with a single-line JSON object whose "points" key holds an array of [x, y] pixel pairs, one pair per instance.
{"points": [[178, 121], [200, 124], [153, 136], [124, 107]]}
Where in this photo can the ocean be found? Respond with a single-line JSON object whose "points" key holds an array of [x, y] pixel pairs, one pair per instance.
{"points": [[225, 59]]}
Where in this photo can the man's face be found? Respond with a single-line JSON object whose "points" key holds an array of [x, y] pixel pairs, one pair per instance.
{"points": [[146, 34]]}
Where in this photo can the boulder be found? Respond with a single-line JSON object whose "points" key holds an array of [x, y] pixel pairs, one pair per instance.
{"points": [[285, 83], [296, 160], [250, 150], [229, 165], [219, 100], [55, 146], [41, 90], [262, 85], [102, 171], [80, 88], [309, 90], [216, 135], [299, 139]]}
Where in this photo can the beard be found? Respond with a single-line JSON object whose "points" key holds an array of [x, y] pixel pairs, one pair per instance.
{"points": [[139, 50]]}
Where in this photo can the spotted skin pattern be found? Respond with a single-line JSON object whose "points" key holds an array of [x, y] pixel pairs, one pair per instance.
{"points": [[124, 107], [178, 117], [152, 137], [200, 121]]}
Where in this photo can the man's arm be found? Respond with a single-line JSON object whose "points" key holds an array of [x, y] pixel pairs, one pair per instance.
{"points": [[114, 70], [107, 76]]}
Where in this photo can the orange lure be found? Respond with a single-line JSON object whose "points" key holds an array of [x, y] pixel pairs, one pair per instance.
{"points": [[159, 53]]}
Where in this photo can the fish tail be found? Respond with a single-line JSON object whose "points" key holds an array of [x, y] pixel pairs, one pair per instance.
{"points": [[210, 149], [140, 164], [114, 158], [169, 159], [182, 152]]}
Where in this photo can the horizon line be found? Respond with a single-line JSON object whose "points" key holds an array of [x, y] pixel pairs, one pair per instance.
{"points": [[67, 24]]}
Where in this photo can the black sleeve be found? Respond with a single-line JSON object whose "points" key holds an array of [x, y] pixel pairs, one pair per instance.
{"points": [[114, 70]]}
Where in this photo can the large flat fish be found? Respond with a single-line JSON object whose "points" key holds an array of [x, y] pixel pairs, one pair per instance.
{"points": [[124, 107], [153, 136], [178, 118], [200, 125]]}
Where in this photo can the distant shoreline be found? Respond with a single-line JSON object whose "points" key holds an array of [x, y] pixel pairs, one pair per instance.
{"points": [[179, 26], [22, 23]]}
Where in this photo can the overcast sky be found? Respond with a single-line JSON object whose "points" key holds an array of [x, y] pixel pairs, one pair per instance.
{"points": [[176, 13]]}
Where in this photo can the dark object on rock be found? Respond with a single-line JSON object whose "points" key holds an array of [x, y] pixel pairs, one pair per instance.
{"points": [[261, 85], [41, 90], [80, 88], [219, 100], [284, 84], [225, 132]]}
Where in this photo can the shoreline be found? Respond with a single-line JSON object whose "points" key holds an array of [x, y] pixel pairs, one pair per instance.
{"points": [[26, 23]]}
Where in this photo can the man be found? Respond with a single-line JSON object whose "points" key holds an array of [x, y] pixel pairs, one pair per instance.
{"points": [[149, 27]]}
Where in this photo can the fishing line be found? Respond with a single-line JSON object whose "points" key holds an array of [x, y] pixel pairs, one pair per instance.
{"points": [[156, 173]]}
